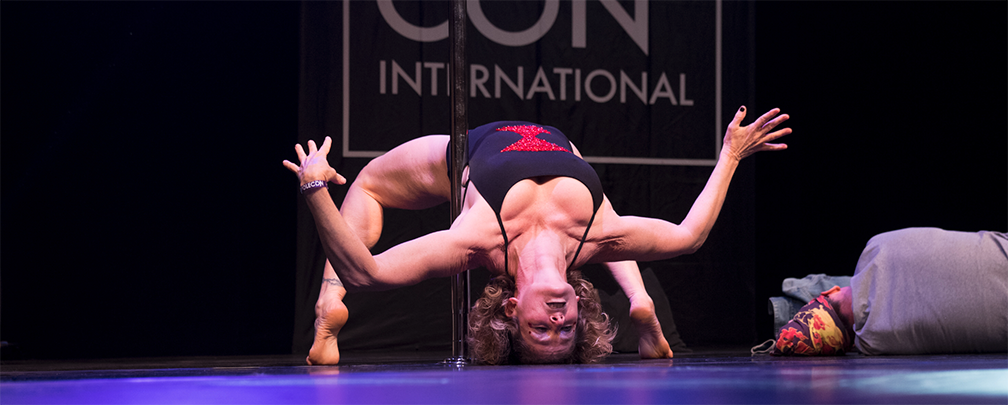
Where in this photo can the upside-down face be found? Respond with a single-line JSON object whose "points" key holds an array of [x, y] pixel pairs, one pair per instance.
{"points": [[547, 317]]}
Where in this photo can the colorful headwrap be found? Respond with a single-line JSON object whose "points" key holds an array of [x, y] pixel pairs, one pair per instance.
{"points": [[816, 330]]}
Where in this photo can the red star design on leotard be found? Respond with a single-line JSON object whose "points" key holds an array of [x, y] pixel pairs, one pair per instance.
{"points": [[529, 141]]}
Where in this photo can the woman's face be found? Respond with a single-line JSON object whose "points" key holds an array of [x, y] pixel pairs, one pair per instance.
{"points": [[547, 316]]}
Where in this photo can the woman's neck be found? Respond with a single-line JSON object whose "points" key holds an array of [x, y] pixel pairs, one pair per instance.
{"points": [[541, 258]]}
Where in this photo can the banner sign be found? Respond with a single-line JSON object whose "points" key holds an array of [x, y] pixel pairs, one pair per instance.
{"points": [[629, 82]]}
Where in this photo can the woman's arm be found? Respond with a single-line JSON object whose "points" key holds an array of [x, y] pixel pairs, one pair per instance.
{"points": [[438, 254], [411, 176], [638, 238]]}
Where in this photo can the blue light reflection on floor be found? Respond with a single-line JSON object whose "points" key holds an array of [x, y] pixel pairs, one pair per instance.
{"points": [[737, 380]]}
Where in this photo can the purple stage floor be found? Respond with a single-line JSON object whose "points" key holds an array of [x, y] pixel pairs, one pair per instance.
{"points": [[699, 377]]}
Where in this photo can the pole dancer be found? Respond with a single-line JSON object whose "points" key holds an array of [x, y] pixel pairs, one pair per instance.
{"points": [[533, 213]]}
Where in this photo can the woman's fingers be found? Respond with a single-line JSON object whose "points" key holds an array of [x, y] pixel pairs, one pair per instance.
{"points": [[765, 124], [773, 147], [739, 116], [326, 144], [313, 164], [766, 118], [776, 134], [775, 122], [337, 178]]}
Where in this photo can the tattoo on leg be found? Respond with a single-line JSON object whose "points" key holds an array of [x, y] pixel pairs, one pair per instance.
{"points": [[333, 281]]}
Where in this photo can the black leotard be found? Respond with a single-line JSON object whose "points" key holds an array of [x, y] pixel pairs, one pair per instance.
{"points": [[503, 153]]}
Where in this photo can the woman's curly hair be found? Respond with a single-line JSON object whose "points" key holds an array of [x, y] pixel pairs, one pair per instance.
{"points": [[494, 338]]}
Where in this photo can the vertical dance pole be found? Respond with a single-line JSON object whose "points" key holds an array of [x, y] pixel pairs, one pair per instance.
{"points": [[459, 145]]}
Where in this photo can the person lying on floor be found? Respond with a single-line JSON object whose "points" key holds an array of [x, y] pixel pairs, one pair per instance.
{"points": [[533, 212], [914, 291]]}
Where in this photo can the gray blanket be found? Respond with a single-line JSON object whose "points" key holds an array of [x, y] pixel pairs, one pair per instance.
{"points": [[927, 290]]}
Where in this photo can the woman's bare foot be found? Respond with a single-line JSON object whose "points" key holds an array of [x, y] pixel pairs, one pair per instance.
{"points": [[331, 315], [652, 343]]}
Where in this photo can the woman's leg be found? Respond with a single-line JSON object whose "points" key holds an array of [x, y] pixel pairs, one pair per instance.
{"points": [[414, 175], [330, 316], [652, 343]]}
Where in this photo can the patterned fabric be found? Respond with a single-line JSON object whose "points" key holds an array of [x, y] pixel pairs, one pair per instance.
{"points": [[798, 292], [815, 330]]}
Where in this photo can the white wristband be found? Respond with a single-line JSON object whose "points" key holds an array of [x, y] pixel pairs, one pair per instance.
{"points": [[311, 185]]}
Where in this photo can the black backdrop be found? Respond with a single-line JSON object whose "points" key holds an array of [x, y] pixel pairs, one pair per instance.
{"points": [[715, 283], [899, 116], [145, 212], [145, 209]]}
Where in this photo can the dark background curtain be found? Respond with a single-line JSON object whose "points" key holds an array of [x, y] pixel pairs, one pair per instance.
{"points": [[145, 211], [701, 286]]}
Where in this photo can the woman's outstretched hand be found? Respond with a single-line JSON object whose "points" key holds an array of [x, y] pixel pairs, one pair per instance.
{"points": [[740, 142], [314, 165]]}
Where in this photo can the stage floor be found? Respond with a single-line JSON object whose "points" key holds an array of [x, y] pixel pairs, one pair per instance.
{"points": [[704, 376]]}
